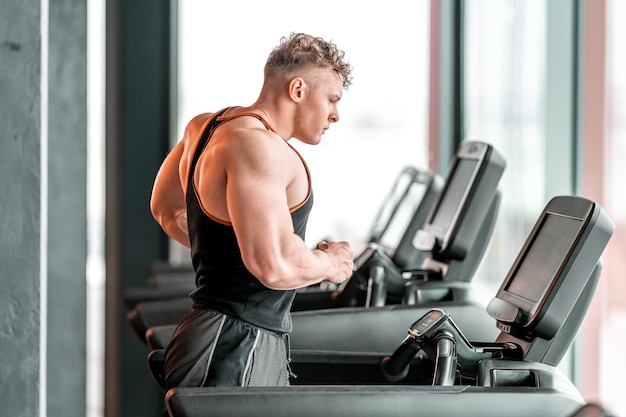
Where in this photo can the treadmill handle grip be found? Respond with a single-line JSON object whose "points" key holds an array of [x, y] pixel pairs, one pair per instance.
{"points": [[396, 367]]}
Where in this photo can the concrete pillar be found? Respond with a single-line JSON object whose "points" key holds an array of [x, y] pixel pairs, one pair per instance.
{"points": [[42, 208]]}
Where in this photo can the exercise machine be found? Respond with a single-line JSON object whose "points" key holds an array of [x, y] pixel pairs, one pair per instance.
{"points": [[538, 310]]}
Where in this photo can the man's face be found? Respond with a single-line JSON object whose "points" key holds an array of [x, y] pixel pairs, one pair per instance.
{"points": [[321, 93]]}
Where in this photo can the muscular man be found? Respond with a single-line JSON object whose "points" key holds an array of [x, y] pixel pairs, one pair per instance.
{"points": [[238, 194]]}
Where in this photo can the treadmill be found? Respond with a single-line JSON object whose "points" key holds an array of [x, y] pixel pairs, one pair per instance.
{"points": [[447, 248], [435, 369]]}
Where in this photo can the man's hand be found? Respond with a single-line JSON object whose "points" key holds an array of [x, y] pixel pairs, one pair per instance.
{"points": [[342, 257]]}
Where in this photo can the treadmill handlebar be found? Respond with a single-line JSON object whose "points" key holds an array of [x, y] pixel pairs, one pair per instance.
{"points": [[438, 336], [395, 368], [445, 365]]}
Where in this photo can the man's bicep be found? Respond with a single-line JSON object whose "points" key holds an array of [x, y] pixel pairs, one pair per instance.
{"points": [[256, 195], [258, 208]]}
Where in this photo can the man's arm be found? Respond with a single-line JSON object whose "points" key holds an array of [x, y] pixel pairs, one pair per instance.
{"points": [[168, 199], [258, 173]]}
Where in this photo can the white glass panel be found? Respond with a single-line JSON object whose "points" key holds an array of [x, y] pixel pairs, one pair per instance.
{"points": [[383, 126], [504, 105]]}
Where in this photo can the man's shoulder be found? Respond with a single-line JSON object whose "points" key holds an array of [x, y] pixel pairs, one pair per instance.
{"points": [[200, 119], [196, 126]]}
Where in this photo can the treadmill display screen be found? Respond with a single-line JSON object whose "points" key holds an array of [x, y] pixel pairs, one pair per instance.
{"points": [[389, 206], [452, 197], [399, 222], [545, 257]]}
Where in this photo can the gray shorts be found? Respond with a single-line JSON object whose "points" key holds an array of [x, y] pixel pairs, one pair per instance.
{"points": [[210, 349]]}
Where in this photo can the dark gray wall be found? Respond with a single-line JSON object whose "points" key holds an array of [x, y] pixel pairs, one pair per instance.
{"points": [[138, 77], [43, 208]]}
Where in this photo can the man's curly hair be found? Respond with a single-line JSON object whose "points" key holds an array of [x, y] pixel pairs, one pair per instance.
{"points": [[300, 50]]}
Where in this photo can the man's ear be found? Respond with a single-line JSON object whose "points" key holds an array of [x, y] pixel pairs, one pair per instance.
{"points": [[296, 89]]}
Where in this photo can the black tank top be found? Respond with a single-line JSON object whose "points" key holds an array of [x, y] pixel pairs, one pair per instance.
{"points": [[222, 280]]}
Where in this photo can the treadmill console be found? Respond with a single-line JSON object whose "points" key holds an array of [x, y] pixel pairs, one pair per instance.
{"points": [[552, 269], [377, 269], [455, 220], [403, 212]]}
